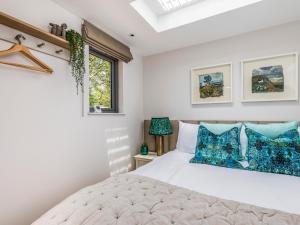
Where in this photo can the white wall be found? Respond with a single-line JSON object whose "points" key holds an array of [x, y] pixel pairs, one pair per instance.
{"points": [[167, 77], [47, 149]]}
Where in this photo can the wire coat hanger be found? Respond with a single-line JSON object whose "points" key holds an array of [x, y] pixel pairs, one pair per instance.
{"points": [[19, 48]]}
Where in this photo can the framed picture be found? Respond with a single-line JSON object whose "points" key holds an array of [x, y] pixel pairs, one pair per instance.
{"points": [[272, 78], [212, 84]]}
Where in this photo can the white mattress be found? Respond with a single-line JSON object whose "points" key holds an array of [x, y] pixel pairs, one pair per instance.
{"points": [[271, 191]]}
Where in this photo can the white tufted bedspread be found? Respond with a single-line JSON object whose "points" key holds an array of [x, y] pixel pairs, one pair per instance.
{"points": [[135, 200]]}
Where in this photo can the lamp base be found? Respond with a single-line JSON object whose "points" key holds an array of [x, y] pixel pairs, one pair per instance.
{"points": [[159, 145]]}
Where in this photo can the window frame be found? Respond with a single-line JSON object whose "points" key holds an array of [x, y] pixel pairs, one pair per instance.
{"points": [[114, 81]]}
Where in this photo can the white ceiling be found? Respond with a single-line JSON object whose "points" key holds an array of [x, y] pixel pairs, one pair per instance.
{"points": [[118, 18]]}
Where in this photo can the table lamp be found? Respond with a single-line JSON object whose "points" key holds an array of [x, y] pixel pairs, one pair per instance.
{"points": [[160, 127]]}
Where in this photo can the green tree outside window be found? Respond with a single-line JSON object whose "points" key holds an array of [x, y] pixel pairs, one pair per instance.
{"points": [[100, 82]]}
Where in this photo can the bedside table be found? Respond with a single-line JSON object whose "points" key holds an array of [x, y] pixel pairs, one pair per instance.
{"points": [[141, 160]]}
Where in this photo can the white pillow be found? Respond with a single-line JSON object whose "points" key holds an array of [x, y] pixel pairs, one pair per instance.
{"points": [[243, 140], [187, 137]]}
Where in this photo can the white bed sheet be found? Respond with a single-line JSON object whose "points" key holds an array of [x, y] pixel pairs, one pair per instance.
{"points": [[273, 191]]}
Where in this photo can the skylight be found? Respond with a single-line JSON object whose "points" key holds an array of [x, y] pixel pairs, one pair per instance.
{"points": [[168, 5], [164, 15]]}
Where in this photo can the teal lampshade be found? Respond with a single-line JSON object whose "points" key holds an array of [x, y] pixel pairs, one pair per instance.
{"points": [[160, 126]]}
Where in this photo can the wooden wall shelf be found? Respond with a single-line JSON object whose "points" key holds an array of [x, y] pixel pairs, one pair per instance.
{"points": [[32, 30]]}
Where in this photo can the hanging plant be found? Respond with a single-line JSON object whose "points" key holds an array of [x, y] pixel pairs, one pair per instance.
{"points": [[76, 45]]}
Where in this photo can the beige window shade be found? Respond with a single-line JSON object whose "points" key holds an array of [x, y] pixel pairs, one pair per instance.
{"points": [[106, 44]]}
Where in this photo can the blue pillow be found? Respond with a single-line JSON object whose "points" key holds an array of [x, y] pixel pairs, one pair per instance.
{"points": [[279, 155], [218, 150], [219, 128], [272, 130]]}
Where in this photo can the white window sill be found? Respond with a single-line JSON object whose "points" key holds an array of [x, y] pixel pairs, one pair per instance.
{"points": [[106, 114]]}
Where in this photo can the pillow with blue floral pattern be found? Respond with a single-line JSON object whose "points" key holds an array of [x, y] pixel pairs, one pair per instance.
{"points": [[278, 155], [218, 150]]}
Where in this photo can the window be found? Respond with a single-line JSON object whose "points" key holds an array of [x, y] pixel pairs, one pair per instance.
{"points": [[173, 4], [103, 83]]}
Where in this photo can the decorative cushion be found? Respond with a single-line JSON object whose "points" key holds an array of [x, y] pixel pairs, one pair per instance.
{"points": [[219, 128], [279, 155], [272, 130], [187, 137], [219, 150]]}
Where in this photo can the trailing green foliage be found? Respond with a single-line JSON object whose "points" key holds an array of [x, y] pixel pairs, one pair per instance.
{"points": [[76, 45]]}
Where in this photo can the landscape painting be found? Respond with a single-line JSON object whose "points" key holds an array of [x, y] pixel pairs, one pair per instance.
{"points": [[211, 85], [268, 79]]}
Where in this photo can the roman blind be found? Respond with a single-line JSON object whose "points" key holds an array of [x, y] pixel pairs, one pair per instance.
{"points": [[105, 43]]}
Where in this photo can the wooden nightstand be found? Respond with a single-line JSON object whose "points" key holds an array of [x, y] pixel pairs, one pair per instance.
{"points": [[141, 160]]}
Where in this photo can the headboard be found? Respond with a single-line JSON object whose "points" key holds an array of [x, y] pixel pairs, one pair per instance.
{"points": [[171, 140]]}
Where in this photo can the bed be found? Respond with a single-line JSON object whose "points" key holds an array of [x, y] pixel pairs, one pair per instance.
{"points": [[170, 190], [274, 191]]}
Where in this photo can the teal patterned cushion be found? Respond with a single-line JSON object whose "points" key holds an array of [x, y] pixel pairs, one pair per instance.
{"points": [[272, 130], [218, 150], [278, 155], [219, 128]]}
